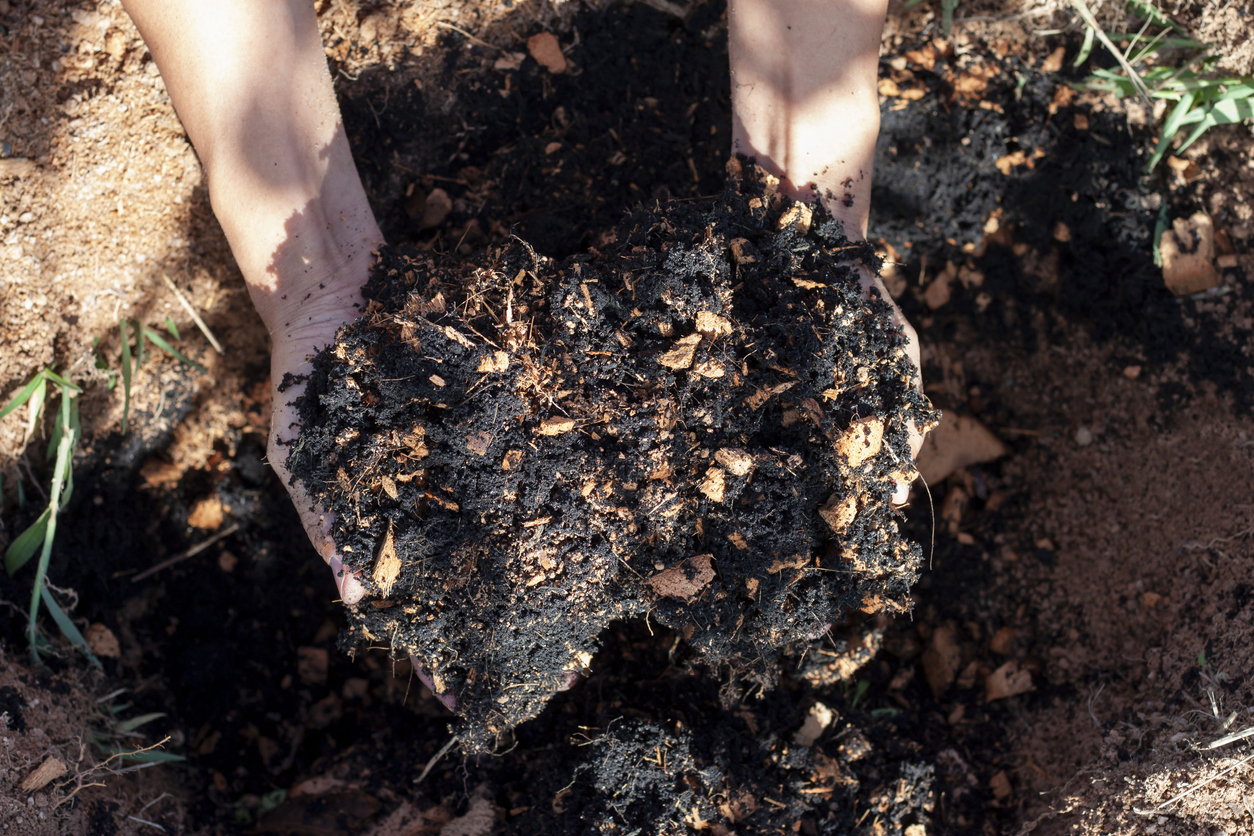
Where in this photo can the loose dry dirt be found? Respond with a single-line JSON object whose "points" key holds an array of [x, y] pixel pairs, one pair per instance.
{"points": [[1080, 635]]}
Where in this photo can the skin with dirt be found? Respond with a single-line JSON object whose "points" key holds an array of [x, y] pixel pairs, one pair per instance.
{"points": [[519, 452]]}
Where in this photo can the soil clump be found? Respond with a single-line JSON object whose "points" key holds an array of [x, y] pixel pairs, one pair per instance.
{"points": [[702, 423]]}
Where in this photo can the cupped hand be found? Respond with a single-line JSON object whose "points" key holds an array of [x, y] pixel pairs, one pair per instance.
{"points": [[290, 365]]}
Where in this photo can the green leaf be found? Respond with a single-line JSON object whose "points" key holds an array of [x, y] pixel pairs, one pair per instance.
{"points": [[126, 374], [1085, 48], [1224, 112], [135, 722], [61, 381], [172, 328], [1175, 119], [68, 628], [36, 404], [1160, 226], [159, 342], [24, 545], [22, 396]]}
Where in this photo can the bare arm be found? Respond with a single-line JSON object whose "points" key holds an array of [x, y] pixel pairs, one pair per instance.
{"points": [[804, 102], [250, 83], [804, 96]]}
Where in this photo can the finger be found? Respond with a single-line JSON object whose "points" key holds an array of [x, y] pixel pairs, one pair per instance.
{"points": [[350, 587], [448, 700]]}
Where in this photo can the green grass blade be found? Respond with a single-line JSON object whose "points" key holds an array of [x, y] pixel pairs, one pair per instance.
{"points": [[25, 545], [22, 396], [68, 628], [135, 722], [54, 437], [65, 452], [126, 374], [139, 345], [172, 328], [36, 404], [1085, 48], [1174, 120], [1226, 112], [61, 381], [159, 342]]}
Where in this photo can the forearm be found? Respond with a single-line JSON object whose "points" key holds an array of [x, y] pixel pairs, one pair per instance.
{"points": [[250, 83], [804, 96]]}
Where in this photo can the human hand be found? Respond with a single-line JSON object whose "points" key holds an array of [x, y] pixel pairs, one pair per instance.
{"points": [[290, 366]]}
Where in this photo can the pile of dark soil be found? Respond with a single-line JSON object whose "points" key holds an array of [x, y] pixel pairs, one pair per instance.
{"points": [[701, 425]]}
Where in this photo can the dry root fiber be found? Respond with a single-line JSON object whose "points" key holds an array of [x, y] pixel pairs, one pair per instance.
{"points": [[698, 424]]}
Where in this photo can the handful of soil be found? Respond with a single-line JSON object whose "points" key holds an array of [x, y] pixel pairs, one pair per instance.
{"points": [[699, 424]]}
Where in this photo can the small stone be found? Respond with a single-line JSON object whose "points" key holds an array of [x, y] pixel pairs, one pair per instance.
{"points": [[1084, 436], [311, 665], [207, 514], [1131, 372], [102, 642]]}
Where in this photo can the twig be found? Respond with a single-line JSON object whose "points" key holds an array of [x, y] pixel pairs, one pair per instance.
{"points": [[435, 759], [1195, 787], [1123, 62], [462, 31], [187, 306], [149, 823], [192, 552], [1232, 738]]}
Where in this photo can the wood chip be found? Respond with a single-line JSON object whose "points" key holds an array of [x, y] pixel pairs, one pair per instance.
{"points": [[556, 425], [816, 722], [1187, 251], [389, 486], [512, 459], [714, 485], [741, 251], [797, 561], [712, 325], [547, 52], [1000, 785], [735, 460], [480, 442], [686, 580], [387, 566], [496, 362], [1003, 642], [1007, 681], [862, 441], [839, 513], [47, 772], [683, 353], [941, 659], [799, 214], [709, 368], [765, 393], [957, 441]]}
